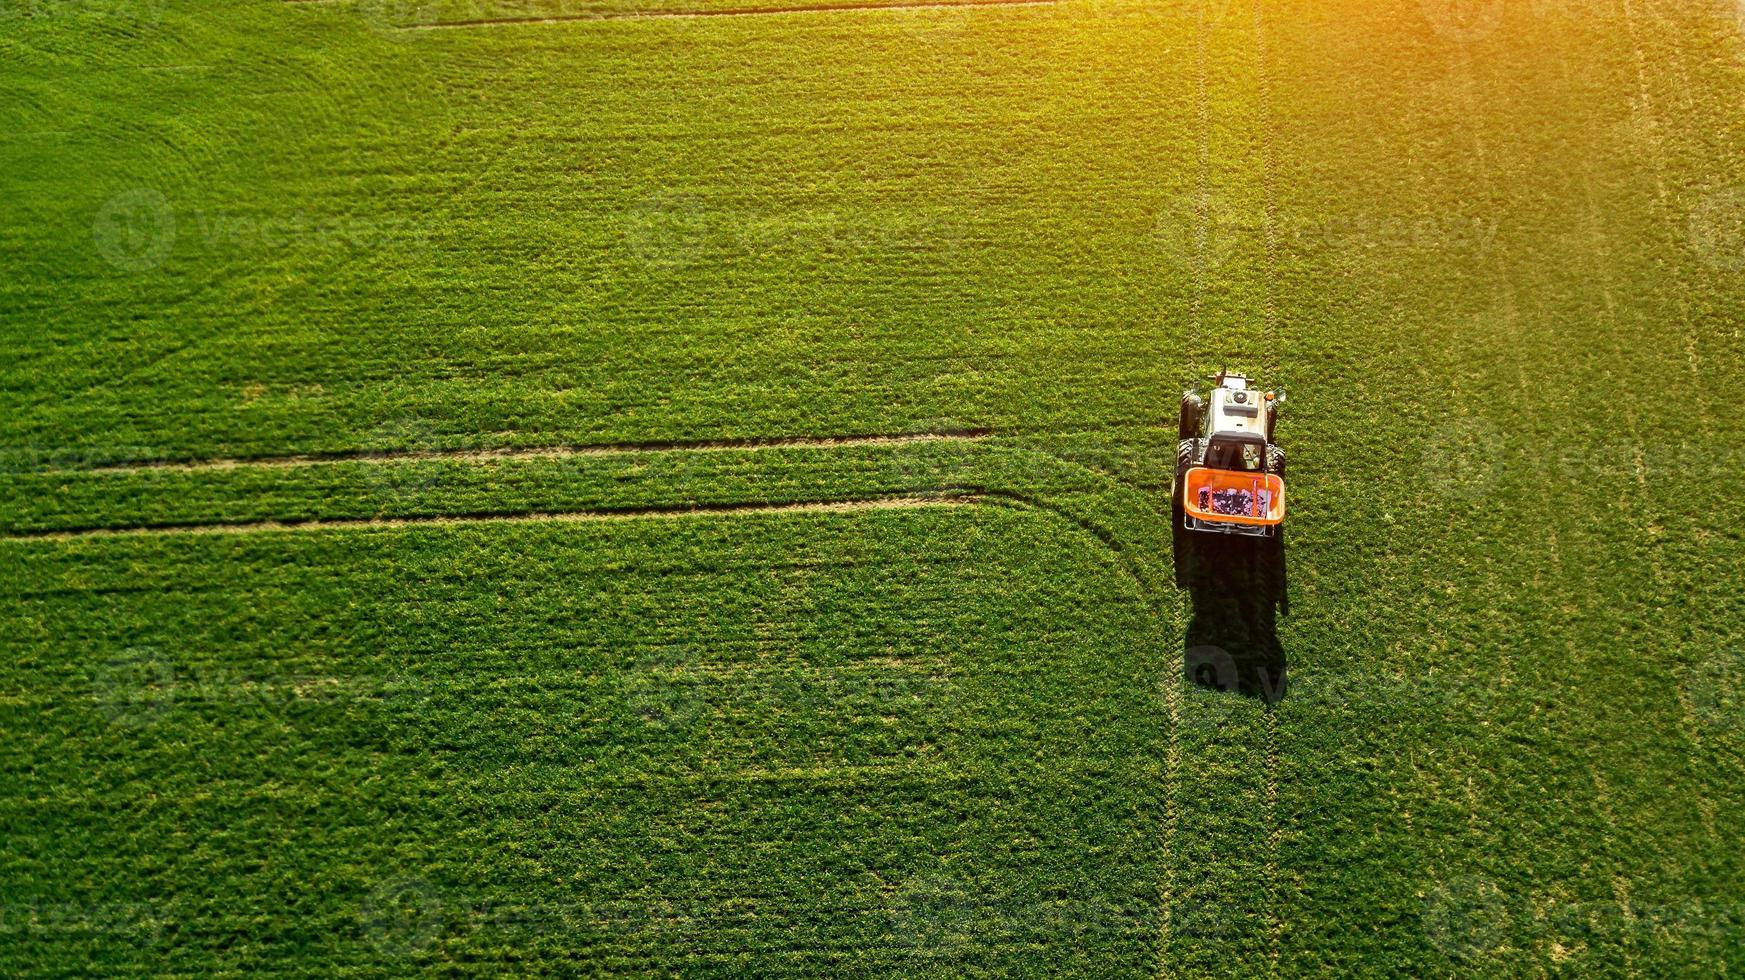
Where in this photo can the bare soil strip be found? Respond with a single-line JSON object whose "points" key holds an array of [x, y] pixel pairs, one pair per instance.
{"points": [[541, 452], [806, 8], [526, 517]]}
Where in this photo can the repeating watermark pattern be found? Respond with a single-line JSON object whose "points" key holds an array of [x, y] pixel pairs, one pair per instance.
{"points": [[137, 230], [945, 25], [1466, 917], [1473, 21], [140, 686], [1716, 228], [931, 918], [135, 688], [1716, 690], [400, 19], [70, 459], [51, 920], [391, 18], [148, 13], [674, 230], [932, 465], [1454, 233], [665, 692], [1463, 21], [1211, 667], [1463, 457], [1199, 232], [402, 917], [1469, 919], [1467, 457], [397, 476], [937, 918], [1209, 13], [406, 917], [1650, 461], [667, 230], [244, 232], [1213, 671]]}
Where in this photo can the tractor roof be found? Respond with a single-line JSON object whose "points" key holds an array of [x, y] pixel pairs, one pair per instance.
{"points": [[1237, 411]]}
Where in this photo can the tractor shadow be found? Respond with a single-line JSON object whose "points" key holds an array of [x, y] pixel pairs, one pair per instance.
{"points": [[1239, 590]]}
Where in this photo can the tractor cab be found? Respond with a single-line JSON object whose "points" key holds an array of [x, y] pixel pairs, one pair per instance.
{"points": [[1242, 453]]}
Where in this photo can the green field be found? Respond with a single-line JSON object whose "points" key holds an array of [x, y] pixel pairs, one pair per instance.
{"points": [[556, 486]]}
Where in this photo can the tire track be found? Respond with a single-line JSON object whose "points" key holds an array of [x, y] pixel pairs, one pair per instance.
{"points": [[1269, 365], [1269, 358], [219, 464], [1642, 501], [1151, 595], [1655, 142], [943, 499], [696, 14], [1203, 184]]}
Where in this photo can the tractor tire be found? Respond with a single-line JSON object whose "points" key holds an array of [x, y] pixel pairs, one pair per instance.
{"points": [[1271, 419], [1180, 537], [1192, 410], [1275, 461], [1185, 451]]}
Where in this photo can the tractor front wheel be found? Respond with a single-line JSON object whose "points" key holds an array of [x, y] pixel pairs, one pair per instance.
{"points": [[1193, 407]]}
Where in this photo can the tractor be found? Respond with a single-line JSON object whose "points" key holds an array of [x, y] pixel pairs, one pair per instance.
{"points": [[1229, 474]]}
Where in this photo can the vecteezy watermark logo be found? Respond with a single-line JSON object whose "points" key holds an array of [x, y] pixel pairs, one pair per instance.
{"points": [[1363, 232], [942, 25], [402, 917], [71, 459], [1209, 675], [1466, 917], [664, 693], [396, 473], [147, 12], [1198, 231], [935, 917], [134, 688], [666, 230], [396, 19], [1716, 228], [1209, 13], [935, 455], [43, 919], [1716, 689], [390, 18], [1210, 666], [135, 230], [1463, 21], [1463, 457]]}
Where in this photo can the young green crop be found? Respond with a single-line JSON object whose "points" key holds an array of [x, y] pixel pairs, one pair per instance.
{"points": [[650, 695]]}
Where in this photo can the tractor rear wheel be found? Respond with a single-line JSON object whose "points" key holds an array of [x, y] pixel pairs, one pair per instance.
{"points": [[1275, 461], [1180, 537], [1184, 455]]}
